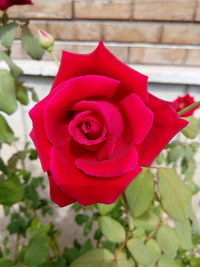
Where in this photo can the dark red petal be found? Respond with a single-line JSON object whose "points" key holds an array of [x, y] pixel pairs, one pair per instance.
{"points": [[38, 134], [67, 94], [166, 125], [138, 118], [57, 195], [85, 189], [102, 62]]}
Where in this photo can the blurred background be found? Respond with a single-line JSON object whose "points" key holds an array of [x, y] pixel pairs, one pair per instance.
{"points": [[160, 38]]}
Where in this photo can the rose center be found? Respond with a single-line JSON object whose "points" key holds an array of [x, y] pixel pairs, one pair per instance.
{"points": [[91, 130]]}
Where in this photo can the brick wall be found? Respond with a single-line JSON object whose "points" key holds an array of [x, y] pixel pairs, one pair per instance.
{"points": [[138, 31]]}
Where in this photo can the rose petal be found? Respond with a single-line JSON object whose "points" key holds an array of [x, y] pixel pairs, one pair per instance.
{"points": [[68, 94], [57, 195], [85, 189], [38, 134], [118, 164], [166, 125], [102, 62], [139, 118]]}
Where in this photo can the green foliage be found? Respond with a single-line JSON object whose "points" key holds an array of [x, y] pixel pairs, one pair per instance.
{"points": [[175, 196], [11, 191], [37, 251], [7, 91], [167, 239], [7, 34], [140, 193], [6, 133], [30, 44], [6, 263], [112, 229], [192, 129], [95, 258]]}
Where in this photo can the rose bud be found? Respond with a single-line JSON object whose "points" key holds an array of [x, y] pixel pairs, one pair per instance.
{"points": [[182, 102], [98, 127], [46, 40], [4, 4]]}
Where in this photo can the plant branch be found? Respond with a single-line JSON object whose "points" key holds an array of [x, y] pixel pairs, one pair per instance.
{"points": [[154, 231], [188, 108], [54, 57]]}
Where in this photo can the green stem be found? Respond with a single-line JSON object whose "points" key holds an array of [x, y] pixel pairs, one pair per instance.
{"points": [[188, 108], [54, 57]]}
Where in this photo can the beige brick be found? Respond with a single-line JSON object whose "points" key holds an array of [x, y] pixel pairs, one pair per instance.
{"points": [[193, 57], [177, 33], [178, 10], [157, 55], [120, 51], [87, 31], [132, 32], [68, 30], [197, 17], [50, 9], [102, 9]]}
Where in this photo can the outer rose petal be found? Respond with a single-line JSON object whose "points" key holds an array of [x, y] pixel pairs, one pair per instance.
{"points": [[102, 62], [38, 134], [85, 189], [67, 94], [166, 125], [139, 118], [57, 195]]}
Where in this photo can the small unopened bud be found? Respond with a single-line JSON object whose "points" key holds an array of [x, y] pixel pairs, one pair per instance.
{"points": [[46, 40]]}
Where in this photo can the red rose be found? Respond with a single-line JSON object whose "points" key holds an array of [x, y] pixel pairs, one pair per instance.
{"points": [[184, 101], [97, 127], [4, 4]]}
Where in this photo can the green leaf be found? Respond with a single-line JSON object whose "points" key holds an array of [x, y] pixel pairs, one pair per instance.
{"points": [[14, 69], [193, 187], [140, 233], [11, 192], [37, 251], [167, 261], [105, 209], [18, 224], [175, 153], [7, 34], [148, 220], [3, 167], [30, 44], [112, 229], [7, 92], [167, 239], [154, 250], [184, 233], [6, 263], [71, 254], [22, 95], [175, 196], [6, 133], [140, 193], [99, 257], [192, 129], [81, 218], [139, 251]]}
